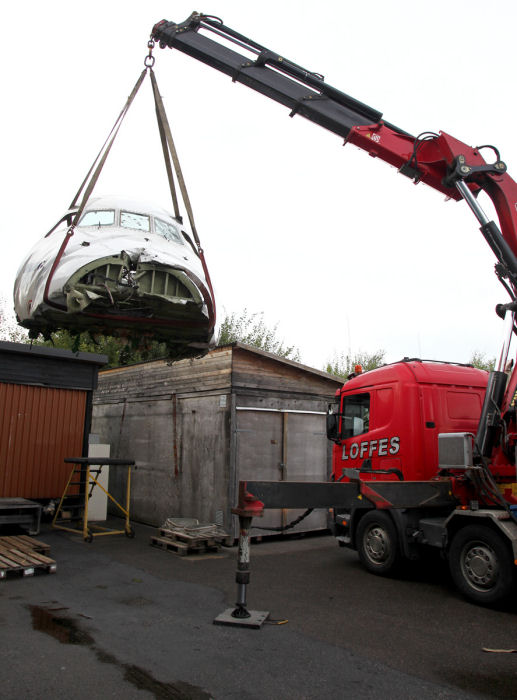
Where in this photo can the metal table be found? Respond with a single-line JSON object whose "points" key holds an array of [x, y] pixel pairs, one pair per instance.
{"points": [[21, 511], [83, 479]]}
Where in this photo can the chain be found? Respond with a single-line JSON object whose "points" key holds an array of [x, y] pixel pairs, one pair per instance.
{"points": [[289, 525], [149, 59]]}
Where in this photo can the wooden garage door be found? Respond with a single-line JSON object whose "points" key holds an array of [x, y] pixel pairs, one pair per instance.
{"points": [[282, 446]]}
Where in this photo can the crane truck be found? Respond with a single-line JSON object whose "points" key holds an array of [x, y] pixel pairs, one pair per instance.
{"points": [[424, 454]]}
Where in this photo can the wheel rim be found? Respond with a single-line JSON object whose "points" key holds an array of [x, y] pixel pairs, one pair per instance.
{"points": [[377, 544], [479, 566]]}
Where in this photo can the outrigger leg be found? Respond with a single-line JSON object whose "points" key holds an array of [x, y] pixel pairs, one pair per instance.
{"points": [[240, 615]]}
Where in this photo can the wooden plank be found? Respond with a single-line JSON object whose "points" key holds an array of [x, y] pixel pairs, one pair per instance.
{"points": [[208, 373], [217, 356], [12, 542], [22, 559], [189, 537], [38, 558], [165, 543], [7, 563], [17, 557], [25, 542], [13, 566]]}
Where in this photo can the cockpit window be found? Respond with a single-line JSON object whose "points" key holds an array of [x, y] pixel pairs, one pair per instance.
{"points": [[140, 222], [102, 217], [168, 231]]}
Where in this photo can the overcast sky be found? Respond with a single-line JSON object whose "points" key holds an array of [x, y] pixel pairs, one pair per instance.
{"points": [[340, 250]]}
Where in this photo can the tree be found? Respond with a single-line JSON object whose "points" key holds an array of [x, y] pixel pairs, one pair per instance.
{"points": [[120, 351], [250, 328], [9, 328], [341, 365], [481, 361]]}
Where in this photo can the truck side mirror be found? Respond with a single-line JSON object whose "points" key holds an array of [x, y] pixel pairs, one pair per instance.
{"points": [[332, 426]]}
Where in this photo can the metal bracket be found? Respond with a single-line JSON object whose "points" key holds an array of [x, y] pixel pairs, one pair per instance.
{"points": [[461, 170]]}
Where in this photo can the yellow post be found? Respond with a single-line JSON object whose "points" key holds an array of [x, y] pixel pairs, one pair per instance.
{"points": [[58, 509], [86, 499], [128, 494]]}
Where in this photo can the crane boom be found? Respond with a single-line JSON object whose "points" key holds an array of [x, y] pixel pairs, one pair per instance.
{"points": [[439, 160], [302, 91]]}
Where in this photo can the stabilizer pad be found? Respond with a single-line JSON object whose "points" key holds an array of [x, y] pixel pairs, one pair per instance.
{"points": [[255, 620]]}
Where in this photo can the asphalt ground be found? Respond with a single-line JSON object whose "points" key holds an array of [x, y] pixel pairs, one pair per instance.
{"points": [[124, 619]]}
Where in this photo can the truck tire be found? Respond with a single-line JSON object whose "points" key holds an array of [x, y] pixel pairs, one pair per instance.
{"points": [[481, 564], [377, 543]]}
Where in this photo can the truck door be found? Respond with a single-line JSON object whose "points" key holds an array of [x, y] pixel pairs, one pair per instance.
{"points": [[370, 434]]}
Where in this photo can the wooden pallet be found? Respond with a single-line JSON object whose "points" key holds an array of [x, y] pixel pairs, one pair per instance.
{"points": [[26, 542], [24, 556], [186, 543]]}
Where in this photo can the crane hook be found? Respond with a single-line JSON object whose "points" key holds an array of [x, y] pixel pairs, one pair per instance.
{"points": [[150, 59]]}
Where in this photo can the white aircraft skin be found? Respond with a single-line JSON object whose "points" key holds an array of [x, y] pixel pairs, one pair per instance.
{"points": [[129, 268]]}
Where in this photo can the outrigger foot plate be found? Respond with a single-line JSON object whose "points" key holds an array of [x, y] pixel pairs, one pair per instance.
{"points": [[255, 620]]}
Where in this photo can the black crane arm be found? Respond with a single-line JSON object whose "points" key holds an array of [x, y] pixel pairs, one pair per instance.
{"points": [[274, 76]]}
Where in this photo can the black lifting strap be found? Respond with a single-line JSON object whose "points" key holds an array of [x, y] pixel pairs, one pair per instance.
{"points": [[165, 138], [87, 185], [92, 176], [170, 154]]}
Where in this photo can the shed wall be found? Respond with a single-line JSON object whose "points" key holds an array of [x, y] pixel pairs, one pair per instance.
{"points": [[258, 371], [211, 373], [185, 426], [180, 446]]}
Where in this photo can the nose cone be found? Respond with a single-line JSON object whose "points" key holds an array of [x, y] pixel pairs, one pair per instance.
{"points": [[119, 280]]}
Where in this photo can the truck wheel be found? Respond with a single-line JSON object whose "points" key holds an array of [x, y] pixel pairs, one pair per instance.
{"points": [[377, 543], [481, 564]]}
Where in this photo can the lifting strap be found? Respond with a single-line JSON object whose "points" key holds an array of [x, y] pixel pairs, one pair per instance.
{"points": [[170, 158], [170, 153], [92, 176], [88, 184]]}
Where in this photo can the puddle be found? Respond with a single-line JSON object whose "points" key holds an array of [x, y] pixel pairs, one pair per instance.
{"points": [[163, 691], [65, 629]]}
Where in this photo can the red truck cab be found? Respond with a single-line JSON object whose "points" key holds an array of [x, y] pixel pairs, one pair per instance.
{"points": [[390, 418]]}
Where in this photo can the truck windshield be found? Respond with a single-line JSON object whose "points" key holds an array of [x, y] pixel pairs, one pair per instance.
{"points": [[356, 415]]}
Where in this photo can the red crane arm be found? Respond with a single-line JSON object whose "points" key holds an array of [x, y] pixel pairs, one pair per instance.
{"points": [[437, 160]]}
